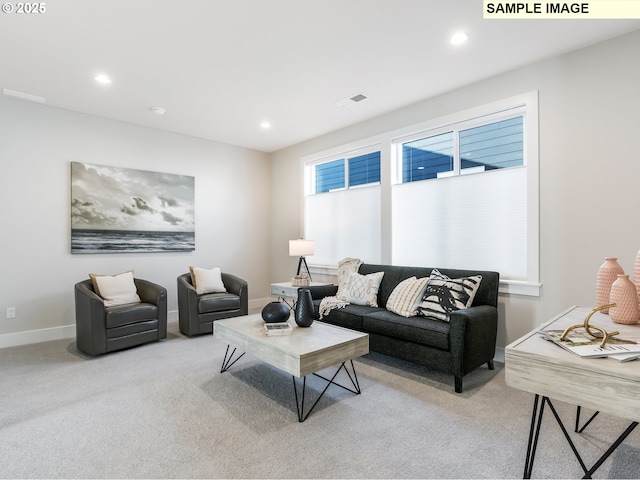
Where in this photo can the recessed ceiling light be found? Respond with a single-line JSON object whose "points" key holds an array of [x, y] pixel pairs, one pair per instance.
{"points": [[102, 79], [265, 125], [458, 38], [158, 110]]}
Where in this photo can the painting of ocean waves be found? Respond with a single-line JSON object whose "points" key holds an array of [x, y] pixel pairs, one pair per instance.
{"points": [[118, 210], [126, 241]]}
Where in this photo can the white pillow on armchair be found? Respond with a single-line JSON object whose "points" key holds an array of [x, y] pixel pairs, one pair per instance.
{"points": [[207, 281]]}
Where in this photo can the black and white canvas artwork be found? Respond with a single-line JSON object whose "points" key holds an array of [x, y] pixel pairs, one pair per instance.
{"points": [[115, 210]]}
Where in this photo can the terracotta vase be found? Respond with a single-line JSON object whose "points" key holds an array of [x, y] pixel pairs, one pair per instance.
{"points": [[625, 296], [607, 274], [636, 275]]}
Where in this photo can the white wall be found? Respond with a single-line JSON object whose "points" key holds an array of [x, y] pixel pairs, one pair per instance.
{"points": [[589, 175], [589, 171], [37, 270]]}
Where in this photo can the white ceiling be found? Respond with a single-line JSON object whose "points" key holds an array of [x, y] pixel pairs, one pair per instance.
{"points": [[221, 67]]}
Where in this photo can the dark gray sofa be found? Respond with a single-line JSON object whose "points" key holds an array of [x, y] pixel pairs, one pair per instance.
{"points": [[457, 347]]}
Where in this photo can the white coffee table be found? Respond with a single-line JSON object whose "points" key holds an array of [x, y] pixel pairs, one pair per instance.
{"points": [[304, 352]]}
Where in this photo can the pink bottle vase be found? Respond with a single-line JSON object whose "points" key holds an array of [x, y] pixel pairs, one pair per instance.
{"points": [[607, 274], [636, 274], [625, 296]]}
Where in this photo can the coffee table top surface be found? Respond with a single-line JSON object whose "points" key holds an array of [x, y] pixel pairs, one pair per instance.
{"points": [[304, 351]]}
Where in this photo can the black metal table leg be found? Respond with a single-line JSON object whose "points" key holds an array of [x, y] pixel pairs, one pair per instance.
{"points": [[578, 429], [228, 360], [611, 449], [534, 432], [302, 416]]}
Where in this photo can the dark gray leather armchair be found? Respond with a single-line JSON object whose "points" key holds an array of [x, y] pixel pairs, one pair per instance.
{"points": [[101, 329], [196, 313]]}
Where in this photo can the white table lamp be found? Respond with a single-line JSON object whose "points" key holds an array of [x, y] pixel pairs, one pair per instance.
{"points": [[301, 248]]}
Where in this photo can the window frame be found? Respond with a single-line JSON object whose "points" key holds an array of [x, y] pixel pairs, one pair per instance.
{"points": [[385, 141], [455, 129], [309, 168]]}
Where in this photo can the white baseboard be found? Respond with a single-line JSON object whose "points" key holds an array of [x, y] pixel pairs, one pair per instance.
{"points": [[37, 336], [499, 355], [69, 331], [49, 334]]}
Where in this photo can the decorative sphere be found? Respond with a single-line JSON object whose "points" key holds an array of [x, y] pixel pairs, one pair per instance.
{"points": [[275, 312]]}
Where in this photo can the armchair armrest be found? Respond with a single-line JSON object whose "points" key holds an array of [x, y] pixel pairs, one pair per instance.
{"points": [[150, 292], [233, 284], [90, 319], [157, 295], [237, 286]]}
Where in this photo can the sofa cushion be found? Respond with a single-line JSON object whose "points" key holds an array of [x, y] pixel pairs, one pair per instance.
{"points": [[218, 302], [349, 316], [444, 295], [424, 331], [405, 298], [361, 289]]}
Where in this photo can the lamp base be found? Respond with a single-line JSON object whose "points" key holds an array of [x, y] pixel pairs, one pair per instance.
{"points": [[300, 263]]}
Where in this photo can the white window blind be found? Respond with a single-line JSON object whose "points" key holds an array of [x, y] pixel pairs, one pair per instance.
{"points": [[344, 224], [468, 222]]}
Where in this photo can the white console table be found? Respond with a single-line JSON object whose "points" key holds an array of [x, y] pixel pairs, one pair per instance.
{"points": [[285, 290]]}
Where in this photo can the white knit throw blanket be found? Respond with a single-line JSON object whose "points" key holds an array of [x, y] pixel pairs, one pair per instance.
{"points": [[345, 266]]}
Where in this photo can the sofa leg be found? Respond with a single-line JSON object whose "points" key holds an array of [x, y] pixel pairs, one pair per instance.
{"points": [[490, 364], [458, 383]]}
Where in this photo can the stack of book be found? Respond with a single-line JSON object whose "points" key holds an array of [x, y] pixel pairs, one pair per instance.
{"points": [[280, 328]]}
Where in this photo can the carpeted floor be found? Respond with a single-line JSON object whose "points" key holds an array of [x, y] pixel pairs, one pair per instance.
{"points": [[164, 410]]}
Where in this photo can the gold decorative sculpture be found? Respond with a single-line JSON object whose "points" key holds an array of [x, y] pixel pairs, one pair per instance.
{"points": [[601, 332]]}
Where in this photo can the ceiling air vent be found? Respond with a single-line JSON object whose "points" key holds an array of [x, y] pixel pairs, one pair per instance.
{"points": [[352, 100]]}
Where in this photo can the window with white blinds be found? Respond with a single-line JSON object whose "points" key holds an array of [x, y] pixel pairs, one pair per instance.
{"points": [[342, 206], [459, 191], [466, 221]]}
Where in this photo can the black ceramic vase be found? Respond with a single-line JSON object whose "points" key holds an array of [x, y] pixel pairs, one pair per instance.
{"points": [[304, 314], [275, 312]]}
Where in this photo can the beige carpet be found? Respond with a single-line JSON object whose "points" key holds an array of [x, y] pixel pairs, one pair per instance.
{"points": [[164, 410]]}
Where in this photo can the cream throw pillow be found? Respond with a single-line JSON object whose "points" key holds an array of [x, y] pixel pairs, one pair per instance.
{"points": [[406, 297], [207, 281], [117, 289], [345, 267], [361, 289]]}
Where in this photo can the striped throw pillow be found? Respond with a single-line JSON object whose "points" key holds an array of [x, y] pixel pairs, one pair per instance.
{"points": [[444, 295], [405, 298]]}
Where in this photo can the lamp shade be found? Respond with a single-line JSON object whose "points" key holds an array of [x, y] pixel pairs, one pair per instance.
{"points": [[300, 248]]}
